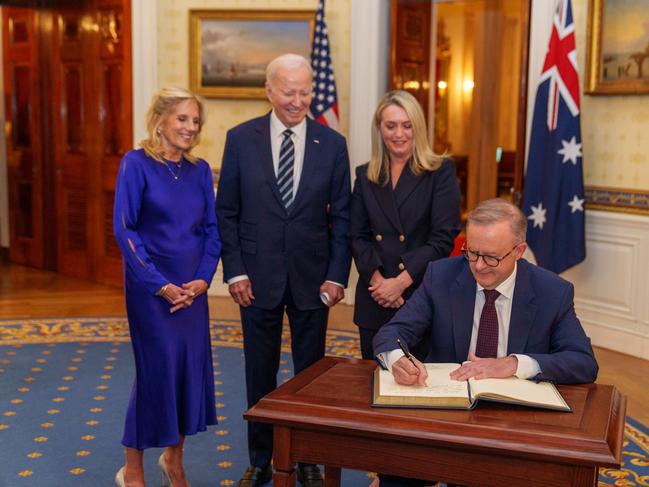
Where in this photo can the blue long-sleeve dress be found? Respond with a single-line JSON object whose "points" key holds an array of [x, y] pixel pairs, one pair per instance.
{"points": [[165, 224]]}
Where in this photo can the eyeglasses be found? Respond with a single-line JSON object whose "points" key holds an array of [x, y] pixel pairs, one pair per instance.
{"points": [[490, 260]]}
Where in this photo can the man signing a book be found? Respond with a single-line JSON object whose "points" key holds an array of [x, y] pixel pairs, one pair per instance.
{"points": [[490, 310]]}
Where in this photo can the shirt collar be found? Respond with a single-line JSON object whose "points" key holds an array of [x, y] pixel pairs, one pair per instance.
{"points": [[506, 288], [277, 127]]}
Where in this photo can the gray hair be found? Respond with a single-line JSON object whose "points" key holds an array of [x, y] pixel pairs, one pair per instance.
{"points": [[286, 61], [497, 210]]}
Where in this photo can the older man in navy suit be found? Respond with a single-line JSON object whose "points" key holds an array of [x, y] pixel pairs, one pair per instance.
{"points": [[492, 311], [283, 208]]}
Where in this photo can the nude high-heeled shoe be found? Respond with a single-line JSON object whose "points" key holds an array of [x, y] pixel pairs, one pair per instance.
{"points": [[119, 478], [166, 480], [164, 473]]}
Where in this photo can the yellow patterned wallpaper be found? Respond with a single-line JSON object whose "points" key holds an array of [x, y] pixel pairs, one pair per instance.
{"points": [[173, 61], [614, 128]]}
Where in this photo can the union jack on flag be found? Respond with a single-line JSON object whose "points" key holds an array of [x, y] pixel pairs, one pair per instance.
{"points": [[324, 106], [554, 186]]}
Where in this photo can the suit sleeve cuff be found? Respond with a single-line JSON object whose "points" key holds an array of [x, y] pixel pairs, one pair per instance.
{"points": [[336, 283], [527, 367], [388, 358], [234, 279]]}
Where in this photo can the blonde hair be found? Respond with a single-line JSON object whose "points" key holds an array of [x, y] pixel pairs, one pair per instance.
{"points": [[423, 158], [498, 210], [160, 108]]}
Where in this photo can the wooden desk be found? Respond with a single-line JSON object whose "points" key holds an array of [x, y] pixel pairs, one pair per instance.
{"points": [[323, 416]]}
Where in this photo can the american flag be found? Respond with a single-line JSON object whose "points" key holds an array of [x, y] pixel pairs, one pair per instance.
{"points": [[324, 106], [554, 187]]}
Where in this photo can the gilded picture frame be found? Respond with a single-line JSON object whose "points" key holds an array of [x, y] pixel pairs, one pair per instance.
{"points": [[229, 49], [618, 48]]}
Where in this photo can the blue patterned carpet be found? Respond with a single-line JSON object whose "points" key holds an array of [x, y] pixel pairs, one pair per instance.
{"points": [[64, 386]]}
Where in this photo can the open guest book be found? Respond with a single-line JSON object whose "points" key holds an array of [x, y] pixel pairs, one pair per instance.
{"points": [[443, 392]]}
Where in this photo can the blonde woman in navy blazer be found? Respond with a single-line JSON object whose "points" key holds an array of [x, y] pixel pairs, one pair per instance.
{"points": [[405, 212]]}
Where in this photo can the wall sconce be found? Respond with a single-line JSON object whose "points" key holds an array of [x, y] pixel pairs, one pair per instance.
{"points": [[468, 85], [411, 85], [441, 88]]}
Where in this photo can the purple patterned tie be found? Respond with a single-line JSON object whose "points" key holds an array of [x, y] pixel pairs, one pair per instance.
{"points": [[487, 346]]}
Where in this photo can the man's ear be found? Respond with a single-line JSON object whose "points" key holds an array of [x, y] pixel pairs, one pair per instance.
{"points": [[520, 250], [268, 89]]}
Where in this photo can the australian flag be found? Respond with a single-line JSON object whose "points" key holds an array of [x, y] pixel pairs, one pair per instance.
{"points": [[324, 106], [554, 186]]}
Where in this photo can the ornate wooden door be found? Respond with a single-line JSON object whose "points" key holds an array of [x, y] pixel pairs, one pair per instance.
{"points": [[92, 129], [83, 52], [24, 137]]}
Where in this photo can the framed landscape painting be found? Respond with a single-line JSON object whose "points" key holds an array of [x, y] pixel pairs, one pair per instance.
{"points": [[618, 47], [229, 49]]}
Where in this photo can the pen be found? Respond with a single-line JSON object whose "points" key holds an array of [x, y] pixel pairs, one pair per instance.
{"points": [[406, 352], [408, 355]]}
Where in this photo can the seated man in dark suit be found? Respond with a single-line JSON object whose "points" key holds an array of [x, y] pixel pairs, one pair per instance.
{"points": [[492, 311]]}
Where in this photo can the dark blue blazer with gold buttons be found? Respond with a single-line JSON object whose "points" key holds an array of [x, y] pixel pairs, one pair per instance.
{"points": [[401, 228]]}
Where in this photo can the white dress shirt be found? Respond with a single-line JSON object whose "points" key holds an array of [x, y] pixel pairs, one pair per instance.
{"points": [[527, 366]]}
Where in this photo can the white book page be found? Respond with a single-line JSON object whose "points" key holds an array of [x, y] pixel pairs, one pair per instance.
{"points": [[523, 390], [438, 384]]}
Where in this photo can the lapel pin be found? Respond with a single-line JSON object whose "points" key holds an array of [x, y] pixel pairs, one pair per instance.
{"points": [[316, 141]]}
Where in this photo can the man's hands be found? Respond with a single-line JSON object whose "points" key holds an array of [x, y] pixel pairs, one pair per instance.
{"points": [[486, 368], [409, 374], [241, 292], [335, 292], [183, 297]]}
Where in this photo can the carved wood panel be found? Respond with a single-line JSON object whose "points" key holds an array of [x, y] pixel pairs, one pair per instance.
{"points": [[24, 140], [410, 48], [72, 128], [116, 126]]}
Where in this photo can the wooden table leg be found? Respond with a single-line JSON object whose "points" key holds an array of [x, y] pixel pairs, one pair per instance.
{"points": [[284, 469], [332, 476], [585, 477], [284, 479]]}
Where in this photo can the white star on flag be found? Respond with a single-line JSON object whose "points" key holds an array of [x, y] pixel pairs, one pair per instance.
{"points": [[570, 151], [538, 215], [576, 204]]}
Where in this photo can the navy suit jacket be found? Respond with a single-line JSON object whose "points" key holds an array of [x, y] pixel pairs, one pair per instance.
{"points": [[410, 225], [304, 245], [543, 322]]}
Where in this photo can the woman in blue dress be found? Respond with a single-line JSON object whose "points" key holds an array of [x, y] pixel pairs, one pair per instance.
{"points": [[165, 225]]}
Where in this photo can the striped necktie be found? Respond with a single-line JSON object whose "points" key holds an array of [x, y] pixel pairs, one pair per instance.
{"points": [[487, 344], [285, 168]]}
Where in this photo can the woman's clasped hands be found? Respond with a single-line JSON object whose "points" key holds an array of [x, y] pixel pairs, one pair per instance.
{"points": [[183, 296], [387, 292]]}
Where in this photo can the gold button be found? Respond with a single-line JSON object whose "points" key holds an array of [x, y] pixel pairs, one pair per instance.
{"points": [[401, 266], [402, 238], [379, 238]]}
